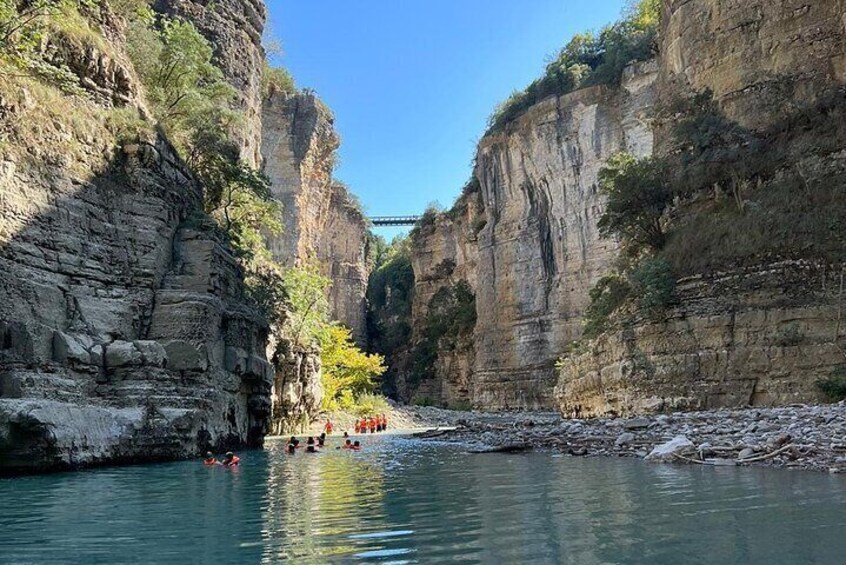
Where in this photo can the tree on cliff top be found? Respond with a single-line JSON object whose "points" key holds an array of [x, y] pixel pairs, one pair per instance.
{"points": [[589, 59]]}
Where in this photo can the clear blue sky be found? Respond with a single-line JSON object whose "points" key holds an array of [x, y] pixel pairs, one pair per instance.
{"points": [[412, 82]]}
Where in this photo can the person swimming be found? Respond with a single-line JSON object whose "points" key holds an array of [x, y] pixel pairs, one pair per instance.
{"points": [[210, 459], [356, 446], [346, 435], [321, 440], [347, 445], [310, 445], [231, 460], [293, 443]]}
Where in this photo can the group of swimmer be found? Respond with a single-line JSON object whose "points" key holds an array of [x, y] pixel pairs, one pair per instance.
{"points": [[230, 460], [315, 445], [377, 424]]}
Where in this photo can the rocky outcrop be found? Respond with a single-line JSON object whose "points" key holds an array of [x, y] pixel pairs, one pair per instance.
{"points": [[125, 331], [750, 327], [531, 248], [758, 57], [124, 335], [758, 337], [234, 28], [321, 220], [297, 389]]}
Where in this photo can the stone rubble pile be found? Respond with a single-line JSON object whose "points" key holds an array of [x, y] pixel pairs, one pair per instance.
{"points": [[809, 437]]}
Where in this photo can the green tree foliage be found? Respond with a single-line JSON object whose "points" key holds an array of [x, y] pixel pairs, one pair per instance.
{"points": [[606, 297], [653, 284], [648, 287], [348, 373], [390, 293], [306, 291], [277, 79], [187, 90], [26, 28], [637, 195], [589, 59], [833, 387]]}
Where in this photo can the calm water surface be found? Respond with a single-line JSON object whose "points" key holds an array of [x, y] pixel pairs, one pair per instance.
{"points": [[401, 501]]}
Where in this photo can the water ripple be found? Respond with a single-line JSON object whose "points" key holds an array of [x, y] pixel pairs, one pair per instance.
{"points": [[400, 501]]}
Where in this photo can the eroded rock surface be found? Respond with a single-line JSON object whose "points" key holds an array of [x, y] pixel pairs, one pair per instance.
{"points": [[125, 331], [321, 220], [528, 243]]}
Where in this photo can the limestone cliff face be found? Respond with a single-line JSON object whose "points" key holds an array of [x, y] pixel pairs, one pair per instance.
{"points": [[321, 221], [124, 334], [753, 337], [531, 248], [445, 254], [758, 57], [125, 331], [234, 28], [753, 324], [763, 328]]}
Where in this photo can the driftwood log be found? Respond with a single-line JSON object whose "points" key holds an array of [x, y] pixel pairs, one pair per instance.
{"points": [[507, 448]]}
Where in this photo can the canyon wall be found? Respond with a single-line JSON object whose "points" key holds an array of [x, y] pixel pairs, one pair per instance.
{"points": [[757, 321], [753, 234], [125, 334], [321, 219], [528, 242]]}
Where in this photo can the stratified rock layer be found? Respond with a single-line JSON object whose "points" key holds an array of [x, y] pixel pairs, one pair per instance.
{"points": [[751, 326], [528, 244], [321, 221], [125, 333]]}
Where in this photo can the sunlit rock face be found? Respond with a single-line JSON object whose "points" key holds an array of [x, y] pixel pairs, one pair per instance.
{"points": [[758, 57], [759, 332], [528, 244], [321, 220]]}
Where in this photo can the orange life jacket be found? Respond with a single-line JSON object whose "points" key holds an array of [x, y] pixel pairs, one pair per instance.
{"points": [[234, 462], [210, 461]]}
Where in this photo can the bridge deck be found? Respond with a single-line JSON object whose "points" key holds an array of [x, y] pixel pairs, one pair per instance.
{"points": [[384, 221]]}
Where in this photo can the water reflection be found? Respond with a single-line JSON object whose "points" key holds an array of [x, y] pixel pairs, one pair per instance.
{"points": [[400, 501], [315, 500]]}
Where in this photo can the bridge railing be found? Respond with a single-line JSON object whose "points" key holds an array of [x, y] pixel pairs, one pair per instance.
{"points": [[384, 221]]}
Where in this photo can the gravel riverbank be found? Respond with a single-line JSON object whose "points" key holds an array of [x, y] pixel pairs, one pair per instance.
{"points": [[799, 436]]}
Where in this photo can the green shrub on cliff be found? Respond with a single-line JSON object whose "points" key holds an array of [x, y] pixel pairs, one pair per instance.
{"points": [[638, 195], [606, 297], [589, 59], [276, 79], [833, 387]]}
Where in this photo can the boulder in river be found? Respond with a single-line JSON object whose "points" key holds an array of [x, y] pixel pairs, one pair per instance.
{"points": [[667, 451]]}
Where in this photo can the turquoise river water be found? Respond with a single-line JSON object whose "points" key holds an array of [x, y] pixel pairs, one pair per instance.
{"points": [[404, 501]]}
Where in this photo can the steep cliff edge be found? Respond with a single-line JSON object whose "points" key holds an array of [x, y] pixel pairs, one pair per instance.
{"points": [[322, 222], [744, 104], [755, 237], [125, 331], [235, 30], [527, 243]]}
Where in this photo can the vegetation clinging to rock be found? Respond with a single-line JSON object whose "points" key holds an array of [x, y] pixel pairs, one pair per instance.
{"points": [[589, 59]]}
